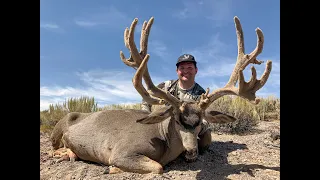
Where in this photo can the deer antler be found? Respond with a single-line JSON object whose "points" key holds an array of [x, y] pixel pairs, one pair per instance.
{"points": [[130, 44], [248, 89], [139, 62], [136, 57], [154, 91]]}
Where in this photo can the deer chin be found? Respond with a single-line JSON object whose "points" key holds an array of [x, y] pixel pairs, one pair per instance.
{"points": [[191, 156]]}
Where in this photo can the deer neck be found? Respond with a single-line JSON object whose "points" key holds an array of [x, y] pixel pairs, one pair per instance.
{"points": [[172, 139], [168, 132]]}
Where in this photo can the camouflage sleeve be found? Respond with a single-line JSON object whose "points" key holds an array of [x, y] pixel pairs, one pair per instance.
{"points": [[161, 85], [198, 91], [147, 107]]}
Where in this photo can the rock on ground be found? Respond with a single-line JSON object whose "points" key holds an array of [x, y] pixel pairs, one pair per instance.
{"points": [[253, 156]]}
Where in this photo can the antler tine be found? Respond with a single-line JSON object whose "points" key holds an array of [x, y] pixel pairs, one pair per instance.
{"points": [[240, 38], [243, 60], [145, 36], [154, 91], [146, 27], [264, 77], [135, 61], [248, 89], [130, 44], [259, 47], [137, 83]]}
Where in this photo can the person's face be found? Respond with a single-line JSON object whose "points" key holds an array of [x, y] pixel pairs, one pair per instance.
{"points": [[186, 71]]}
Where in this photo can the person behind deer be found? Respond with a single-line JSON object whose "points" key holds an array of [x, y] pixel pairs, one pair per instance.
{"points": [[187, 89]]}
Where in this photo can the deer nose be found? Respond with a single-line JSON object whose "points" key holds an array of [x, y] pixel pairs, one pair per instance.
{"points": [[191, 155], [192, 152]]}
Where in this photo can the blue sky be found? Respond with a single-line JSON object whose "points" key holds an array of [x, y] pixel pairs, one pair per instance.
{"points": [[80, 41]]}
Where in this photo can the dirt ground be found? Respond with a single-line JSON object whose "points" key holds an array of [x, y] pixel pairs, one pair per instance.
{"points": [[254, 156]]}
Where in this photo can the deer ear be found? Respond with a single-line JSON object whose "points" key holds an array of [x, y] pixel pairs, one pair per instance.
{"points": [[156, 116], [218, 117]]}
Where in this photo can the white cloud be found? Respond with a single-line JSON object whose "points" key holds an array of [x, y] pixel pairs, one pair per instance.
{"points": [[210, 52], [53, 27], [86, 23], [211, 59], [216, 70], [49, 26], [110, 17], [116, 87], [214, 86], [265, 92], [158, 48], [58, 91], [45, 102], [215, 10], [105, 86], [155, 45], [224, 70]]}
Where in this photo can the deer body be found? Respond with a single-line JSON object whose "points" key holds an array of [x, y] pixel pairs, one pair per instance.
{"points": [[137, 141], [99, 138]]}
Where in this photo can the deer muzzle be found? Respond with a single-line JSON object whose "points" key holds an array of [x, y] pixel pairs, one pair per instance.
{"points": [[191, 155], [190, 144]]}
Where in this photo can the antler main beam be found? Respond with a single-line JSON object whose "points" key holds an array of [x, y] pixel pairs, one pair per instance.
{"points": [[138, 60], [248, 89], [136, 57], [156, 92], [243, 60]]}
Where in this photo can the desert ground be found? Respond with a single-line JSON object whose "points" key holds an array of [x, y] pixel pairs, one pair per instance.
{"points": [[252, 156]]}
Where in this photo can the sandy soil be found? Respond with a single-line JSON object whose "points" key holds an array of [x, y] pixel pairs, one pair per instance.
{"points": [[254, 156]]}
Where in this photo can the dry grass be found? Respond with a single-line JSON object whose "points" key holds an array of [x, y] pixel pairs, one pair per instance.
{"points": [[248, 115], [121, 106]]}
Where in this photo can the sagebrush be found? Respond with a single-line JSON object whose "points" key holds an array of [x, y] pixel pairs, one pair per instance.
{"points": [[248, 115]]}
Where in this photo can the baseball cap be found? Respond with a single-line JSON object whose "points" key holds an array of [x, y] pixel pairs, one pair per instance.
{"points": [[186, 58]]}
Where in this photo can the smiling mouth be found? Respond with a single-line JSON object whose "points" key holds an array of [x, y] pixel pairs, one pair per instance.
{"points": [[186, 77]]}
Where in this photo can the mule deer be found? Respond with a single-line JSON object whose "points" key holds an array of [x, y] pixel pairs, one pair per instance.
{"points": [[137, 141]]}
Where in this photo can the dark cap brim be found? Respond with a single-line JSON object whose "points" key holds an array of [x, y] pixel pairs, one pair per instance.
{"points": [[186, 61]]}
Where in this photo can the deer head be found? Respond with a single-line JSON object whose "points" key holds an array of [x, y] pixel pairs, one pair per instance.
{"points": [[186, 117]]}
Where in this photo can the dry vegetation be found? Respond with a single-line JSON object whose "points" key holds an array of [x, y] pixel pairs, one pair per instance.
{"points": [[245, 149], [247, 114]]}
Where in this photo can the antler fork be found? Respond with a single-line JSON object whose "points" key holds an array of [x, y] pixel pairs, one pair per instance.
{"points": [[136, 59], [248, 89]]}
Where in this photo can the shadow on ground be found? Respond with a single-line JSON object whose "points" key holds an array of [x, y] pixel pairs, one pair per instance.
{"points": [[213, 164]]}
